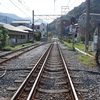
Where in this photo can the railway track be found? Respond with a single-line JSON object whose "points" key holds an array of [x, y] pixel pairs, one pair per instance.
{"points": [[48, 80], [16, 53]]}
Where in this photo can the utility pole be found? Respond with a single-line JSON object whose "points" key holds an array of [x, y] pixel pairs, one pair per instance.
{"points": [[87, 25], [33, 25]]}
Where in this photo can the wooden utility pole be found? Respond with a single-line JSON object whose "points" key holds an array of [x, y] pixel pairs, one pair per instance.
{"points": [[33, 25], [87, 25]]}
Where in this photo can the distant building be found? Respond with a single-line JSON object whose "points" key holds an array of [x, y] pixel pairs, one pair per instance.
{"points": [[41, 27], [26, 23], [29, 30], [63, 25], [93, 23], [94, 19], [16, 35]]}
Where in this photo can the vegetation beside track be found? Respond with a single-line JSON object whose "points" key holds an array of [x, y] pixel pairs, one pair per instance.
{"points": [[17, 46], [86, 60]]}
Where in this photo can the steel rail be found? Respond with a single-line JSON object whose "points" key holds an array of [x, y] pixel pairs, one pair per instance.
{"points": [[19, 54], [73, 91], [38, 77], [25, 81], [20, 49]]}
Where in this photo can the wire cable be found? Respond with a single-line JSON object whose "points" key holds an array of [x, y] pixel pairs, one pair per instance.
{"points": [[73, 3], [19, 8], [68, 2], [6, 7], [22, 5]]}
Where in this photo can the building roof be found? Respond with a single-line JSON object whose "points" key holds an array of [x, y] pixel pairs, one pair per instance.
{"points": [[95, 14], [12, 28], [37, 23], [24, 28], [21, 21]]}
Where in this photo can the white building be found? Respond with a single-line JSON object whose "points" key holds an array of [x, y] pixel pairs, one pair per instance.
{"points": [[40, 27]]}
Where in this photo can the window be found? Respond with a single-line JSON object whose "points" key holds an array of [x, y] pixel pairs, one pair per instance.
{"points": [[20, 24], [38, 27], [22, 36]]}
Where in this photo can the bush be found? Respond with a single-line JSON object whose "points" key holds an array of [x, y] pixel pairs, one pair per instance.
{"points": [[3, 37]]}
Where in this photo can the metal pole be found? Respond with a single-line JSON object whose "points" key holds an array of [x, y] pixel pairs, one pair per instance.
{"points": [[87, 25], [73, 27], [47, 32], [33, 25]]}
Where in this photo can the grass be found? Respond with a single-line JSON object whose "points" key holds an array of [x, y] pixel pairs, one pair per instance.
{"points": [[86, 60], [17, 46], [80, 46]]}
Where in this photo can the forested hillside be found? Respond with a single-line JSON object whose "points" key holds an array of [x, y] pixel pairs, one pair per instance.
{"points": [[76, 12]]}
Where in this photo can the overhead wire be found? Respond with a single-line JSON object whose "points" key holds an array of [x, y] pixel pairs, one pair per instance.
{"points": [[19, 8], [73, 3], [24, 6], [68, 2], [6, 7]]}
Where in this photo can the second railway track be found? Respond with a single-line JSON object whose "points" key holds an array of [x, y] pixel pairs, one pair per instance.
{"points": [[16, 53], [48, 80]]}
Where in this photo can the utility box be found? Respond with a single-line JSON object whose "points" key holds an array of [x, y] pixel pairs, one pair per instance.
{"points": [[94, 46], [95, 39]]}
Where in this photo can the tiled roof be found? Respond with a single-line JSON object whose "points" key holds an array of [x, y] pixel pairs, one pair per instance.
{"points": [[21, 21], [24, 28], [37, 23], [12, 28], [95, 14]]}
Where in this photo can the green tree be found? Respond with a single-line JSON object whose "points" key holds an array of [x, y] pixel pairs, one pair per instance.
{"points": [[3, 37], [37, 36]]}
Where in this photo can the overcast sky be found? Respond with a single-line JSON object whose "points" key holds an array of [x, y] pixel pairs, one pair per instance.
{"points": [[39, 6], [23, 8]]}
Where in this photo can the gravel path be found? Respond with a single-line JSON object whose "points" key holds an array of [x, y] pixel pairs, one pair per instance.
{"points": [[90, 76]]}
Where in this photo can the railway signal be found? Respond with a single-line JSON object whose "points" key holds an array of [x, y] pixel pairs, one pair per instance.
{"points": [[73, 20]]}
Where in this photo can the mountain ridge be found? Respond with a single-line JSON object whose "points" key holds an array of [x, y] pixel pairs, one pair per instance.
{"points": [[76, 12]]}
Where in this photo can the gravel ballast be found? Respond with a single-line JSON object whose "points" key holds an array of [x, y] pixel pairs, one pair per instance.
{"points": [[90, 76], [11, 75]]}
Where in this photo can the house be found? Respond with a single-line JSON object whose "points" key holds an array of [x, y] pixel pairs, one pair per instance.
{"points": [[94, 20], [42, 28], [16, 35], [64, 23], [26, 23], [29, 30], [93, 23]]}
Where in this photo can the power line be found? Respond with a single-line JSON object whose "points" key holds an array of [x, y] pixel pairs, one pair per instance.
{"points": [[25, 6], [6, 7], [73, 3], [68, 2], [19, 8]]}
